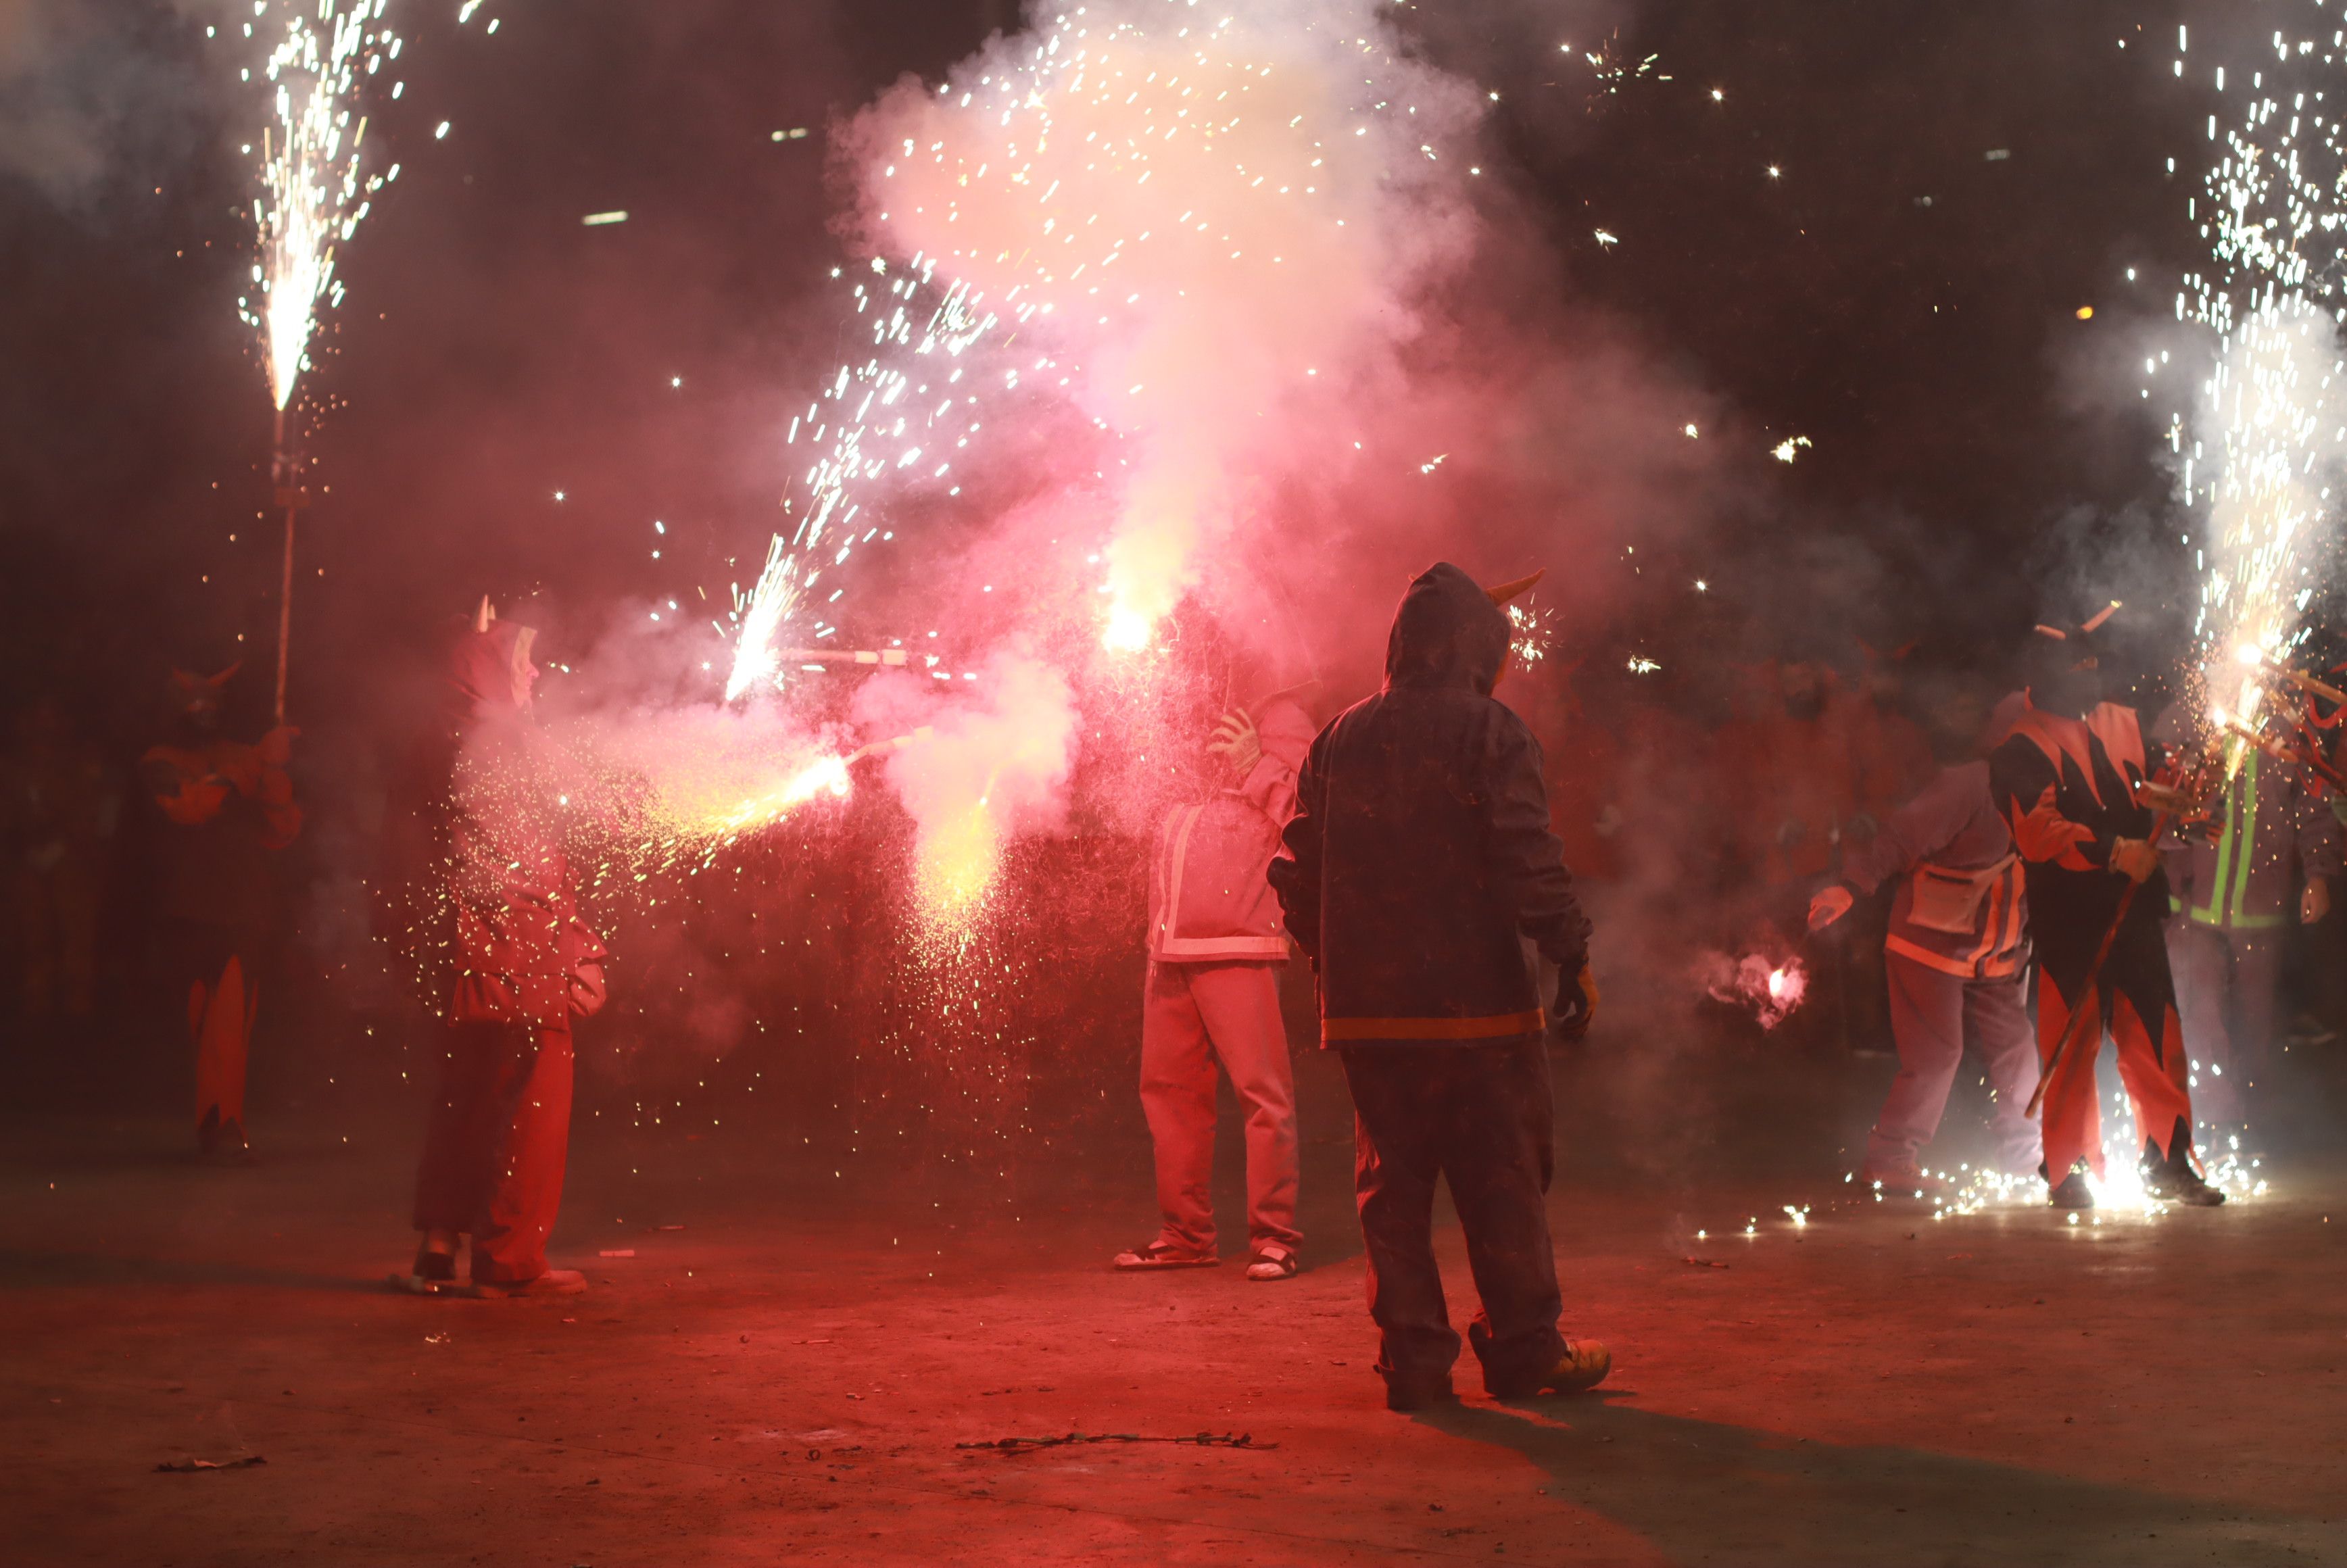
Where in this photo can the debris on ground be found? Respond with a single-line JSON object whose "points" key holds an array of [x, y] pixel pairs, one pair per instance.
{"points": [[617, 1252], [1203, 1440], [1702, 1263], [189, 1466]]}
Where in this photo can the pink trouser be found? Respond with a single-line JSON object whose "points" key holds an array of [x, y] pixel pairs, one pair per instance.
{"points": [[1933, 1014], [2216, 970], [496, 1142], [1194, 1015]]}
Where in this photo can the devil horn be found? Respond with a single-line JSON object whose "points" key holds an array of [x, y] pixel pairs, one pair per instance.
{"points": [[224, 676], [482, 617], [1500, 593]]}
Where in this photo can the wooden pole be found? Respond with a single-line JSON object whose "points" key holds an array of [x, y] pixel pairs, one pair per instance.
{"points": [[282, 467]]}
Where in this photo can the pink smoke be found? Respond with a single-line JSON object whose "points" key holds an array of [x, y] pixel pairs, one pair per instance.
{"points": [[1215, 230]]}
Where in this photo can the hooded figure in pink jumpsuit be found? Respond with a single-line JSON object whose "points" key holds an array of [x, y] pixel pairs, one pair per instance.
{"points": [[491, 913], [1215, 942]]}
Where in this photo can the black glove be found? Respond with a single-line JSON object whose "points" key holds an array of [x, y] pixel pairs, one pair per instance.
{"points": [[1576, 1003]]}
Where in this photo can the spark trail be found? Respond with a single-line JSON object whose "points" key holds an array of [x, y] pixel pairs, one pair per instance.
{"points": [[901, 414]]}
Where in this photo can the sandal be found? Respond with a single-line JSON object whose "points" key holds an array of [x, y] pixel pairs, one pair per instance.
{"points": [[1273, 1261], [1164, 1255]]}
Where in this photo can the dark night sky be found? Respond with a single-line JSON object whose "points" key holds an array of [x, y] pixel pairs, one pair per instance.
{"points": [[1973, 437]]}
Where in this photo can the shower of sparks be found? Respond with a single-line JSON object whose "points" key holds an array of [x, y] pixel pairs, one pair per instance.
{"points": [[1786, 451], [1107, 188], [1531, 629], [825, 775], [2119, 1191], [901, 413], [2256, 450], [313, 197]]}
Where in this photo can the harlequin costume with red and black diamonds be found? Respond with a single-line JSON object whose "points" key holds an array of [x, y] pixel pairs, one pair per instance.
{"points": [[2065, 780]]}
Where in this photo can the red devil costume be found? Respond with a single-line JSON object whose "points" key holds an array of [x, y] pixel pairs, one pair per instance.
{"points": [[1419, 860], [1213, 994], [2065, 779], [226, 808], [491, 911]]}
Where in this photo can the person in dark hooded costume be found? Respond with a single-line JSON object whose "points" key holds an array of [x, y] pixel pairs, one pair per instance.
{"points": [[1417, 863], [491, 913], [2065, 781]]}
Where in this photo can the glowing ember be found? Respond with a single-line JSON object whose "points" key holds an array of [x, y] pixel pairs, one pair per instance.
{"points": [[313, 198], [1128, 630], [1771, 992]]}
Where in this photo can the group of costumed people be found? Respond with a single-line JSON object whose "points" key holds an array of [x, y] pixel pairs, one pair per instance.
{"points": [[2048, 851], [1406, 848]]}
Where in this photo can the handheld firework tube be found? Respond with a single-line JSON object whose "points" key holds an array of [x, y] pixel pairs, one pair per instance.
{"points": [[2307, 754]]}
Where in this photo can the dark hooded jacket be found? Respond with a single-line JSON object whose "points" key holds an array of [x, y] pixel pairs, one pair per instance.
{"points": [[1419, 855]]}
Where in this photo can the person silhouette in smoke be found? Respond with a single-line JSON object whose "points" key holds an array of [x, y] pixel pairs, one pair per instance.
{"points": [[1419, 861], [1213, 994], [2065, 779], [490, 910], [1956, 954], [226, 809]]}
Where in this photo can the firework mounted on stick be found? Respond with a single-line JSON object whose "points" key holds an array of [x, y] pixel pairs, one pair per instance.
{"points": [[313, 197]]}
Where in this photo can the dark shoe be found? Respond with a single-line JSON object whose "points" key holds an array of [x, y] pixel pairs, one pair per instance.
{"points": [[1419, 1393], [435, 1267], [221, 1142], [2174, 1181], [2072, 1191]]}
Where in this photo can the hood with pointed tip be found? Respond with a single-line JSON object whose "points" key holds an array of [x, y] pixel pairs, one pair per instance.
{"points": [[489, 671], [1448, 632]]}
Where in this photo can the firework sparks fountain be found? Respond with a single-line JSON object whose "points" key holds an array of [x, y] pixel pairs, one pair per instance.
{"points": [[2257, 450], [313, 199]]}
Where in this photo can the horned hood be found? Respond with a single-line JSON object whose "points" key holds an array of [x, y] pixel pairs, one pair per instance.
{"points": [[1448, 632]]}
